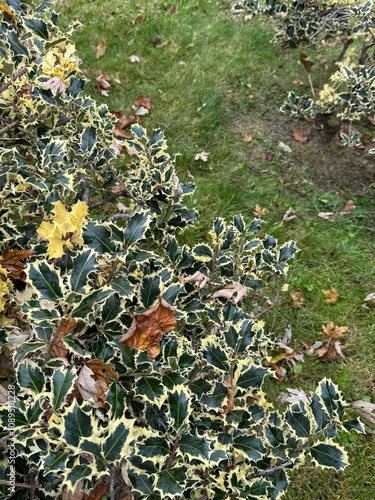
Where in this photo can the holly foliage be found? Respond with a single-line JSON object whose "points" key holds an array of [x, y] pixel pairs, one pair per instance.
{"points": [[129, 353], [348, 92]]}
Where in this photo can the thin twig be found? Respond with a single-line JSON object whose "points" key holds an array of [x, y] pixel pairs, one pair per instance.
{"points": [[257, 316], [115, 217], [173, 452], [110, 197], [15, 77], [284, 465], [85, 188], [9, 126]]}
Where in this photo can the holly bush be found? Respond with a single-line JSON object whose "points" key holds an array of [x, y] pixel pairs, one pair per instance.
{"points": [[349, 90], [128, 360]]}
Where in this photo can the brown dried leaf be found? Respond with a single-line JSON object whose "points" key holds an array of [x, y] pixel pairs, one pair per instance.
{"points": [[98, 492], [331, 295], [143, 101], [366, 410], [334, 332], [269, 156], [247, 138], [300, 137], [297, 299], [93, 381], [11, 260], [228, 382], [348, 207], [306, 61], [147, 328], [370, 297], [100, 49], [297, 82], [259, 211], [237, 290], [57, 346], [280, 371], [102, 80]]}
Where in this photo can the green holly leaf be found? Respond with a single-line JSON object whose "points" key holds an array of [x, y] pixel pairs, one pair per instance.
{"points": [[136, 228], [141, 482], [83, 265], [114, 443], [252, 446], [46, 280], [116, 398], [62, 382], [215, 355], [299, 420], [155, 448], [172, 482], [252, 378], [179, 407], [77, 424], [329, 455], [31, 377], [194, 447], [150, 388]]}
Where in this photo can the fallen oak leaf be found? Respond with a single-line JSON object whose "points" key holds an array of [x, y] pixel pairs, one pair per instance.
{"points": [[269, 156], [331, 295], [236, 292], [201, 156], [259, 211], [334, 332], [147, 328], [247, 138], [66, 328], [297, 299]]}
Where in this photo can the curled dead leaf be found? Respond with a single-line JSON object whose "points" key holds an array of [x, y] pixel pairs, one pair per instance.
{"points": [[58, 347], [236, 292], [100, 49], [93, 381], [293, 396], [366, 410], [306, 61], [147, 328], [12, 261], [349, 206]]}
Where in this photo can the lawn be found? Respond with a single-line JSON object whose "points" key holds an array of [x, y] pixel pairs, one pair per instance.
{"points": [[216, 85]]}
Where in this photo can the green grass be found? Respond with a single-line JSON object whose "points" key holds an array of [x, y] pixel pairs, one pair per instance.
{"points": [[212, 82]]}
